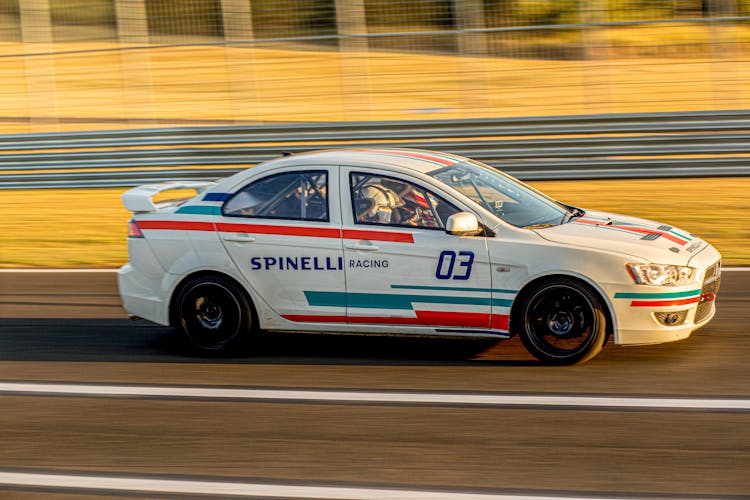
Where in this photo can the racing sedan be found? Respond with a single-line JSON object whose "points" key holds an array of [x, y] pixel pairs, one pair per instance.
{"points": [[407, 242]]}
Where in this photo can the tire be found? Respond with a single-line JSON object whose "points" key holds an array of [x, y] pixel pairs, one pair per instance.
{"points": [[213, 315], [562, 322]]}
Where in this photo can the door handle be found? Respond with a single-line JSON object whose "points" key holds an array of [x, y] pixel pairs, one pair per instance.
{"points": [[241, 237], [360, 246]]}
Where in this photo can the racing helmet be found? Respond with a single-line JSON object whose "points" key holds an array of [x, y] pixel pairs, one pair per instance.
{"points": [[382, 202]]}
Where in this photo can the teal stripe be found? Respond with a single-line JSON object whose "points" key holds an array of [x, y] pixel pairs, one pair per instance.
{"points": [[391, 301], [199, 209], [455, 289], [683, 236], [668, 295]]}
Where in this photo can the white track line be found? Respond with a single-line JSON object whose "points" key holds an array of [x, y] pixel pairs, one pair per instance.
{"points": [[374, 397], [184, 487], [39, 270]]}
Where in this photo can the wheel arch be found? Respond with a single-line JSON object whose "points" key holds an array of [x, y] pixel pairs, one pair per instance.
{"points": [[209, 273], [519, 299]]}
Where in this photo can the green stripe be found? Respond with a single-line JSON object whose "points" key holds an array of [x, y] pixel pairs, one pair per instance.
{"points": [[389, 301], [668, 295], [455, 289], [199, 209]]}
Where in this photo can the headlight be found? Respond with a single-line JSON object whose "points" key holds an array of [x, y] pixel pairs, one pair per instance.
{"points": [[661, 274]]}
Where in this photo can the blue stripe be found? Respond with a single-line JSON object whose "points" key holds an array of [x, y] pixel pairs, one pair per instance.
{"points": [[455, 289], [499, 333], [217, 196], [199, 209]]}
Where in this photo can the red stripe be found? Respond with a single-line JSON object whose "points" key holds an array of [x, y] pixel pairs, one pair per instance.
{"points": [[413, 154], [176, 225], [662, 303], [422, 156], [592, 222], [361, 234], [429, 318], [476, 320], [634, 229], [500, 322], [317, 232]]}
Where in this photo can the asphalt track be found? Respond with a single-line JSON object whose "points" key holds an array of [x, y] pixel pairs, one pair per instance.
{"points": [[68, 327]]}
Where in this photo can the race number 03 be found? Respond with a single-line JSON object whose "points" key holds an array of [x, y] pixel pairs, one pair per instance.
{"points": [[452, 266]]}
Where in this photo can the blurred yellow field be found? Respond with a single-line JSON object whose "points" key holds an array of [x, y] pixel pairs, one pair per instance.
{"points": [[87, 227], [95, 86]]}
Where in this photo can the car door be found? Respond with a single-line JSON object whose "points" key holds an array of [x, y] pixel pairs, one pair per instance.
{"points": [[403, 271], [283, 232]]}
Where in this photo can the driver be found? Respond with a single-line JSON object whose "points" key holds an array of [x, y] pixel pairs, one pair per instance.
{"points": [[382, 202]]}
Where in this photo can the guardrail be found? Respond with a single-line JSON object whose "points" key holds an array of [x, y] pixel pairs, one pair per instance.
{"points": [[687, 144]]}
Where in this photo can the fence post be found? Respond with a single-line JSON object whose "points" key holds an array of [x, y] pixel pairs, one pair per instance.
{"points": [[237, 19], [36, 21], [132, 23], [351, 20], [354, 63], [239, 59], [132, 28], [725, 55], [470, 15], [39, 64]]}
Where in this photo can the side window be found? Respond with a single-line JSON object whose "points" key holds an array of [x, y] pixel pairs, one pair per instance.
{"points": [[394, 202], [291, 195]]}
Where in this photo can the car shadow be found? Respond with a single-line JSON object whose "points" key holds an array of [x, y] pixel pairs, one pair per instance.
{"points": [[121, 340]]}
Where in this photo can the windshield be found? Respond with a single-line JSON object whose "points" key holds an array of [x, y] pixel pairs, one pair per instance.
{"points": [[511, 200]]}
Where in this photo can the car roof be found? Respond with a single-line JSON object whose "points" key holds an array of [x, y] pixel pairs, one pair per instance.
{"points": [[419, 160]]}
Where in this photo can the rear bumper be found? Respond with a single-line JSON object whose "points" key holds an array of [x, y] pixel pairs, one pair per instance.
{"points": [[142, 295]]}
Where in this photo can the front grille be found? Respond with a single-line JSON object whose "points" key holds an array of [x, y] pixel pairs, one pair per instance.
{"points": [[710, 285]]}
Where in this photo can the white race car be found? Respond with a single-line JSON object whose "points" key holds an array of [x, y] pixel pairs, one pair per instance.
{"points": [[407, 242]]}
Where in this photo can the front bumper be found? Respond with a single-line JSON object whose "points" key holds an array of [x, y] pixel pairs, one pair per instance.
{"points": [[641, 314]]}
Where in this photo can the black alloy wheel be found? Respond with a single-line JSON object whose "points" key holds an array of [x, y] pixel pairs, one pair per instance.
{"points": [[563, 322], [213, 314]]}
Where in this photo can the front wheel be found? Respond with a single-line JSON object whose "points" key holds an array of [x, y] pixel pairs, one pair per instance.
{"points": [[563, 322], [213, 315]]}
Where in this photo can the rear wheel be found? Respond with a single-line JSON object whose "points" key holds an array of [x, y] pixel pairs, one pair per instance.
{"points": [[563, 322], [213, 315]]}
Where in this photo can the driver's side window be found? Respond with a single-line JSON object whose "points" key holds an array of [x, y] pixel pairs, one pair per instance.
{"points": [[381, 200]]}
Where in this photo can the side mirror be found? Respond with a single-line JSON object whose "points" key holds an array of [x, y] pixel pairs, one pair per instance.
{"points": [[462, 224]]}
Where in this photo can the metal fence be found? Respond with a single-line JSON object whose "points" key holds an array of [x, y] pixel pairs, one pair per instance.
{"points": [[573, 147], [98, 64]]}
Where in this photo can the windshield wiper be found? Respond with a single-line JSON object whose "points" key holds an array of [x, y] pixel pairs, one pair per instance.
{"points": [[539, 226]]}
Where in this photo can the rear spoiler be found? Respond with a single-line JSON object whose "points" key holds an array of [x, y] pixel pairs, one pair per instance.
{"points": [[140, 199]]}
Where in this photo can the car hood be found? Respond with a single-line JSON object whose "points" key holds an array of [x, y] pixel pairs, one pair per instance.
{"points": [[649, 240]]}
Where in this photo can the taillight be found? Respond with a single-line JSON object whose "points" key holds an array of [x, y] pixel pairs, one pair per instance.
{"points": [[133, 230]]}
